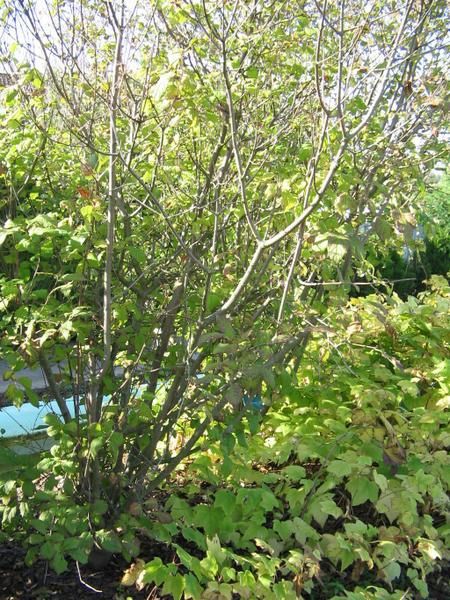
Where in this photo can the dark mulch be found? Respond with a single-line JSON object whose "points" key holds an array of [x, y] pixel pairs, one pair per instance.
{"points": [[38, 582], [439, 582]]}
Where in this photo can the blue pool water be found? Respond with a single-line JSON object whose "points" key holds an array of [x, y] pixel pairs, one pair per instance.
{"points": [[28, 418]]}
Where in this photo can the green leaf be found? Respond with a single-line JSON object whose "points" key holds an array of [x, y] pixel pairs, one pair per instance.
{"points": [[339, 468], [294, 472], [59, 563], [193, 535], [212, 302], [418, 583], [228, 574], [215, 549], [268, 500], [48, 550], [338, 549], [303, 531], [115, 442], [95, 446], [247, 580], [35, 538], [109, 541], [210, 518], [227, 443], [14, 394], [305, 153], [362, 489], [329, 507], [174, 585], [87, 212], [226, 500], [190, 562], [391, 571], [209, 566], [225, 326], [155, 572], [223, 348], [192, 588], [323, 507], [99, 507], [252, 72], [380, 480], [138, 254]]}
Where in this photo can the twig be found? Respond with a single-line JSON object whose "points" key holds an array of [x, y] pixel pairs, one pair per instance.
{"points": [[355, 283], [85, 583], [295, 258], [53, 386], [44, 579]]}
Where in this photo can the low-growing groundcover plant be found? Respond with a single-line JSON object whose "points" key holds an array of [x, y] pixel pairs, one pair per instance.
{"points": [[340, 491], [343, 491]]}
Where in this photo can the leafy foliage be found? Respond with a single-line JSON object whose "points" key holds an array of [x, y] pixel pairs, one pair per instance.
{"points": [[187, 197], [427, 250], [349, 475], [344, 483]]}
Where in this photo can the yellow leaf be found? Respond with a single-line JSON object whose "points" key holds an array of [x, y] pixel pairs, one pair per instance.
{"points": [[428, 547], [434, 101], [443, 402], [132, 573]]}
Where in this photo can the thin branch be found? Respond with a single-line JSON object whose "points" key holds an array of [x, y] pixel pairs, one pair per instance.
{"points": [[112, 194], [325, 109], [354, 283], [45, 365], [234, 141], [295, 258], [93, 589], [340, 110]]}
